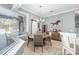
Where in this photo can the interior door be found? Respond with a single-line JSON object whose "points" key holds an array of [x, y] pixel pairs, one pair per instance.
{"points": [[34, 26]]}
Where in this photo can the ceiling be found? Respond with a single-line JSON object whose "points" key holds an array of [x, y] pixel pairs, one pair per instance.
{"points": [[45, 10]]}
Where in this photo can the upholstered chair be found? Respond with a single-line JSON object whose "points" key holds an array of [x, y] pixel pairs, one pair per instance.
{"points": [[38, 41]]}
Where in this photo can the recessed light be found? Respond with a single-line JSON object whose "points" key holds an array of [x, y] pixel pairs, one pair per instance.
{"points": [[51, 11]]}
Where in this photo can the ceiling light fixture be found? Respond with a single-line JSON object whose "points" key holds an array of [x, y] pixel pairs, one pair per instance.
{"points": [[40, 6]]}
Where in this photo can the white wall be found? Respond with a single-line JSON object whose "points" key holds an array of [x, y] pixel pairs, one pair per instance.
{"points": [[29, 16], [68, 21]]}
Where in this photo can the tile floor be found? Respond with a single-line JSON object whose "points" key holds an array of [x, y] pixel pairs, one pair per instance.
{"points": [[55, 49]]}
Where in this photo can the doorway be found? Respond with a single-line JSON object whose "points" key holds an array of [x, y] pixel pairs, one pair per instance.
{"points": [[34, 26]]}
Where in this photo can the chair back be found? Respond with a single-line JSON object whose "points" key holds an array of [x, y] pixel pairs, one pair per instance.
{"points": [[38, 39]]}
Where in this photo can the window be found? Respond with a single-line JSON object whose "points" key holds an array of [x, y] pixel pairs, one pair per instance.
{"points": [[9, 25]]}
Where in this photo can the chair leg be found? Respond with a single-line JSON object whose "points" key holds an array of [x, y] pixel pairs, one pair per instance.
{"points": [[44, 41], [42, 49], [50, 41], [64, 51], [28, 42], [34, 48]]}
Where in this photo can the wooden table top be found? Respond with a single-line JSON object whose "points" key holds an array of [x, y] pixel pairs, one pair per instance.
{"points": [[44, 35]]}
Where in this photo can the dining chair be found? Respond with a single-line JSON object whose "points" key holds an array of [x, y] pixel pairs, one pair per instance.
{"points": [[38, 41], [29, 39], [48, 38]]}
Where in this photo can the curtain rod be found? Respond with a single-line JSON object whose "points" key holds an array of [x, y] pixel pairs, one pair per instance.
{"points": [[8, 17]]}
